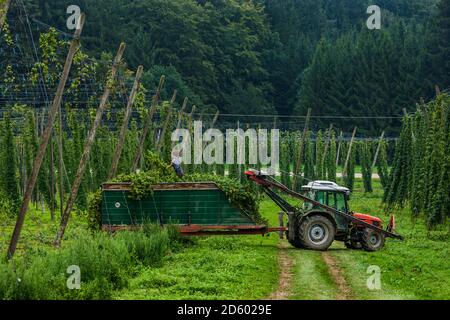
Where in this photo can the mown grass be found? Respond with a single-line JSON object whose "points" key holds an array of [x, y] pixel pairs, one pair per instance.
{"points": [[215, 268], [416, 268], [311, 279]]}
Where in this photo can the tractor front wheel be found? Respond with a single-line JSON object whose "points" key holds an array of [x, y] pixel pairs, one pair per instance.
{"points": [[372, 240], [316, 232]]}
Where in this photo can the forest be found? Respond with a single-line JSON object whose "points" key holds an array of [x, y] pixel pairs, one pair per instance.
{"points": [[263, 57]]}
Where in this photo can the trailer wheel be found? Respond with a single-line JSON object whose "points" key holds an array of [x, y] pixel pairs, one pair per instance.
{"points": [[372, 240], [316, 232]]}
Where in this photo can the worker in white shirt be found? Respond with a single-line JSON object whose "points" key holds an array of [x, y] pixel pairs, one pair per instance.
{"points": [[176, 163]]}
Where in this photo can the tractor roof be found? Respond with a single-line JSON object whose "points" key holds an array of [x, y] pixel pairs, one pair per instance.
{"points": [[325, 186]]}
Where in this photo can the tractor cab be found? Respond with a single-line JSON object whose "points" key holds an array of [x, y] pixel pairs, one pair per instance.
{"points": [[328, 193]]}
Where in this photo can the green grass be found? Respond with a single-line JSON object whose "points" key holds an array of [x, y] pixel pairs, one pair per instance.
{"points": [[416, 268], [38, 230], [214, 268], [246, 267], [311, 278], [234, 267]]}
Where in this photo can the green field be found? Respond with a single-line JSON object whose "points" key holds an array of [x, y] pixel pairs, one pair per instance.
{"points": [[246, 267], [416, 268]]}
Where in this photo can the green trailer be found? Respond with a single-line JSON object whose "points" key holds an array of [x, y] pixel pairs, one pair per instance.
{"points": [[198, 208]]}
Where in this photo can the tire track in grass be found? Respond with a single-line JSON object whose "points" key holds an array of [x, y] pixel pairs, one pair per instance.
{"points": [[311, 280], [344, 290], [286, 264], [305, 275]]}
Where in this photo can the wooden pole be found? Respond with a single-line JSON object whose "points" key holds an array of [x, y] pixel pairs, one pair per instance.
{"points": [[213, 123], [126, 121], [327, 143], [52, 183], [45, 138], [191, 117], [60, 164], [238, 125], [349, 153], [166, 123], [375, 158], [300, 153], [180, 116], [338, 153], [87, 148], [148, 121], [412, 132], [281, 223]]}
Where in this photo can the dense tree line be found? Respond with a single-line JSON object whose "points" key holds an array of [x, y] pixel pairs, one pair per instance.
{"points": [[284, 56]]}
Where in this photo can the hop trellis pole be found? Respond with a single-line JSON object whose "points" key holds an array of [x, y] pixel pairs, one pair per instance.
{"points": [[298, 164], [349, 152], [148, 121], [126, 121], [180, 117], [338, 153], [45, 138], [377, 152], [160, 142], [87, 147]]}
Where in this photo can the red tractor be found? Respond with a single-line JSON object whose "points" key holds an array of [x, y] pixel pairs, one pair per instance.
{"points": [[325, 216]]}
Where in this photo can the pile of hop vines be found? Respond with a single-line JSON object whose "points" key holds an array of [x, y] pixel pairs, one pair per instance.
{"points": [[241, 195]]}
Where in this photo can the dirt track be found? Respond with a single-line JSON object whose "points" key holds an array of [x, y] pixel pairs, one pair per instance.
{"points": [[286, 277], [344, 292], [286, 264]]}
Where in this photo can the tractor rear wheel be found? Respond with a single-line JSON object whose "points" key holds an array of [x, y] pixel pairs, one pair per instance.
{"points": [[296, 243], [293, 238], [316, 232], [372, 240]]}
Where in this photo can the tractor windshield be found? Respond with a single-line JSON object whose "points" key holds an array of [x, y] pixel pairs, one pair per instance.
{"points": [[332, 199]]}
